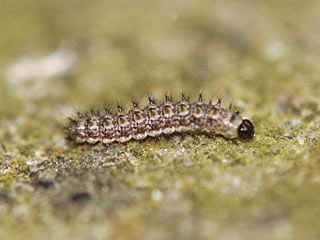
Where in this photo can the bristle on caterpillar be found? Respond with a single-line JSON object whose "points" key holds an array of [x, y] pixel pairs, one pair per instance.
{"points": [[159, 119]]}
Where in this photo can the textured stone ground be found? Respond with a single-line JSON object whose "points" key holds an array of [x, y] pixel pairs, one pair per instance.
{"points": [[58, 56]]}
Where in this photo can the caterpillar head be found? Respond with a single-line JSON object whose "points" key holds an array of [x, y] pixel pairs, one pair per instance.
{"points": [[246, 130]]}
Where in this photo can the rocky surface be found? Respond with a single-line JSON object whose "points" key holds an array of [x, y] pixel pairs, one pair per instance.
{"points": [[58, 56]]}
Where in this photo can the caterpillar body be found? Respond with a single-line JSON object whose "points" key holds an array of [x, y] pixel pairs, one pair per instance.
{"points": [[156, 119]]}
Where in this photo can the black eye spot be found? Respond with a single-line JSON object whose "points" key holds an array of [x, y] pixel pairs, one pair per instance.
{"points": [[246, 130]]}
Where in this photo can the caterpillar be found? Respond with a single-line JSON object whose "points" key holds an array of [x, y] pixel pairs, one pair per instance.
{"points": [[156, 119]]}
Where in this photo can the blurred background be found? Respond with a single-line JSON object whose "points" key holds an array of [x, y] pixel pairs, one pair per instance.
{"points": [[58, 56], [79, 52]]}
